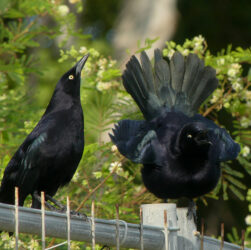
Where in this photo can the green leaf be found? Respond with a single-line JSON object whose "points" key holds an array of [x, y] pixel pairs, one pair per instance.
{"points": [[236, 192], [249, 75], [235, 182], [233, 172], [225, 195], [110, 74], [14, 13]]}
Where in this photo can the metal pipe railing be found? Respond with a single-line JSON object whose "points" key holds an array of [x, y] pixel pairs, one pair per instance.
{"points": [[30, 222], [158, 222]]}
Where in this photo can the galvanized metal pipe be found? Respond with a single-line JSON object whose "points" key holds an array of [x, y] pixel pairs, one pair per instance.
{"points": [[56, 226], [105, 230]]}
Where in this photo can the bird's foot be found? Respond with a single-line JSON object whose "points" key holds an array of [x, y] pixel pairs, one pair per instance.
{"points": [[59, 207], [63, 208], [56, 203], [191, 213], [37, 197], [75, 214]]}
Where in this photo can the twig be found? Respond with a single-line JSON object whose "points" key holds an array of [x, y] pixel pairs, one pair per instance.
{"points": [[95, 189], [87, 180], [209, 110], [134, 201]]}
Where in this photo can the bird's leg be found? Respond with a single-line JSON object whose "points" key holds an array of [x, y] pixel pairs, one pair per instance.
{"points": [[37, 197], [191, 213], [56, 202], [64, 208]]}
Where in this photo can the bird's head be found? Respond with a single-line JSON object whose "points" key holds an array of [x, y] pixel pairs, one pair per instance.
{"points": [[72, 77], [193, 139], [68, 88]]}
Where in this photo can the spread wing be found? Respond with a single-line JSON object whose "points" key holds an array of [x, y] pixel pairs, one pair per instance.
{"points": [[136, 141]]}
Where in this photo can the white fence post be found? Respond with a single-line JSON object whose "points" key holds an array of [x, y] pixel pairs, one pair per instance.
{"points": [[187, 239], [153, 215]]}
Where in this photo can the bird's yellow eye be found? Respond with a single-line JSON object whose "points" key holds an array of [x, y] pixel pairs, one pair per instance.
{"points": [[71, 77], [189, 136]]}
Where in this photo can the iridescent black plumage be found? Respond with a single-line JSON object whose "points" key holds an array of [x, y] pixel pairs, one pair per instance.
{"points": [[49, 156], [180, 150]]}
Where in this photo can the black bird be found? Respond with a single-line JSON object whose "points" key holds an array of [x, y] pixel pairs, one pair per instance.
{"points": [[49, 156], [180, 150]]}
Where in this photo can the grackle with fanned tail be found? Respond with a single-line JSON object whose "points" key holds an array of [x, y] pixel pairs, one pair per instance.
{"points": [[180, 150]]}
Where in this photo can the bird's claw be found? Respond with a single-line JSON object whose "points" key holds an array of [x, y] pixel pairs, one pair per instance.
{"points": [[191, 212], [61, 208], [75, 214]]}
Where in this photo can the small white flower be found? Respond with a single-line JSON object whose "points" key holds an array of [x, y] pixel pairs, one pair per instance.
{"points": [[236, 66], [231, 72], [237, 86], [199, 39], [216, 95], [103, 86], [82, 50], [196, 44], [185, 52], [234, 70], [102, 62], [97, 174], [100, 73], [248, 220], [245, 151], [63, 10], [34, 244], [114, 148], [112, 63], [170, 53], [114, 165], [245, 122], [221, 61]]}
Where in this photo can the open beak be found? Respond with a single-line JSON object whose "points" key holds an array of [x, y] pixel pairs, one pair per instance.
{"points": [[202, 138], [80, 64]]}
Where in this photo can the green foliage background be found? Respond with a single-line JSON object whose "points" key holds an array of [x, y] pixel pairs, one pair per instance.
{"points": [[39, 41]]}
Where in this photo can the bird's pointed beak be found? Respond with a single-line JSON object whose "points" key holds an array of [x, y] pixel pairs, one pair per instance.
{"points": [[202, 138], [80, 64]]}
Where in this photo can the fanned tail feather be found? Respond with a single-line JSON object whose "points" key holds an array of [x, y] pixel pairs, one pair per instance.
{"points": [[181, 85]]}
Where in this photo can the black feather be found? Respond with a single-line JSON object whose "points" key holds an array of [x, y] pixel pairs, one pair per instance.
{"points": [[49, 156], [180, 150]]}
